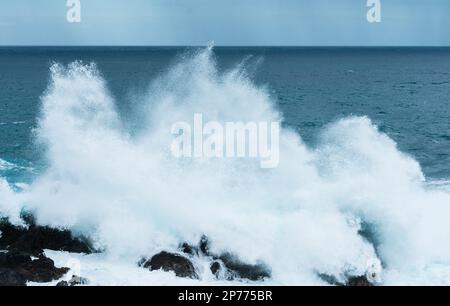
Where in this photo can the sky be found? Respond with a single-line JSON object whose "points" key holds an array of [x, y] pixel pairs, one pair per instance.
{"points": [[226, 22]]}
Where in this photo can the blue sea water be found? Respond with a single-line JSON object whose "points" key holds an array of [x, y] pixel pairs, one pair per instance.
{"points": [[404, 91]]}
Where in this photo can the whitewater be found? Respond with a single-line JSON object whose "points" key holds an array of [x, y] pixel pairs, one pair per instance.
{"points": [[350, 205]]}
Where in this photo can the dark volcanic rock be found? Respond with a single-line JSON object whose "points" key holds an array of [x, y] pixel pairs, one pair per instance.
{"points": [[352, 281], [74, 281], [62, 284], [9, 233], [242, 270], [227, 266], [181, 265], [42, 270], [215, 268], [201, 249], [9, 277], [189, 249], [77, 280], [221, 272], [204, 245], [14, 259], [20, 266], [21, 244], [358, 281], [34, 239]]}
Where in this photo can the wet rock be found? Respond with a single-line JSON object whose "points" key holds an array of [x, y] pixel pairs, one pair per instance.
{"points": [[74, 281], [34, 239], [358, 281], [204, 245], [329, 279], [62, 284], [215, 268], [14, 259], [9, 277], [9, 233], [352, 281], [42, 270], [77, 280], [16, 263], [239, 269], [227, 266], [201, 249], [189, 249], [181, 265], [221, 272]]}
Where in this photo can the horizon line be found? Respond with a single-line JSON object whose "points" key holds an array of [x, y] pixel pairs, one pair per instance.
{"points": [[239, 46]]}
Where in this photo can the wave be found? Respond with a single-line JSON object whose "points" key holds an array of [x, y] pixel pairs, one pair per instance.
{"points": [[350, 205], [4, 165]]}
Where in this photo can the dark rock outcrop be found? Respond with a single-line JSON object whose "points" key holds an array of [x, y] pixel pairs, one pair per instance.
{"points": [[227, 266], [22, 259], [181, 265], [42, 270], [215, 268], [240, 269], [196, 250], [34, 239], [358, 281], [189, 249], [10, 277], [14, 259], [18, 268], [74, 281], [352, 281], [62, 284]]}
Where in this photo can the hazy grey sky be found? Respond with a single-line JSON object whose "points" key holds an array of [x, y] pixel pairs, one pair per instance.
{"points": [[226, 22]]}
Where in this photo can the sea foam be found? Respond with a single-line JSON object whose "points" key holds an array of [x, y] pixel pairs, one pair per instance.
{"points": [[352, 204]]}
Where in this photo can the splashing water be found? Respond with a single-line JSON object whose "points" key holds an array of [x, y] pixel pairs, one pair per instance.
{"points": [[337, 208]]}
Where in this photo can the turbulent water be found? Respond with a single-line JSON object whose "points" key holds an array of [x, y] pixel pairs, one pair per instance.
{"points": [[346, 199]]}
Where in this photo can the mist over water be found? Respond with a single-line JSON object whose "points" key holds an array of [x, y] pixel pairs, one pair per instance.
{"points": [[351, 204]]}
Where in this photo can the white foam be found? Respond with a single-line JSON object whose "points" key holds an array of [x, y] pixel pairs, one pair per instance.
{"points": [[302, 218], [10, 204], [4, 165]]}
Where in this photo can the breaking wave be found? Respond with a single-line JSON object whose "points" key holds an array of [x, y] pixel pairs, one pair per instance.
{"points": [[352, 204]]}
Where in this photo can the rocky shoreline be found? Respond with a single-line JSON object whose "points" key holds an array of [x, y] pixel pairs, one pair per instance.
{"points": [[22, 259]]}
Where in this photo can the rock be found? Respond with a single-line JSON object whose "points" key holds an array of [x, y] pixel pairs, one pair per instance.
{"points": [[358, 281], [9, 233], [74, 281], [227, 266], [201, 249], [77, 280], [215, 268], [62, 284], [204, 245], [221, 272], [181, 265], [34, 239], [189, 249], [9, 277], [42, 270], [239, 269], [14, 259], [22, 243], [352, 281]]}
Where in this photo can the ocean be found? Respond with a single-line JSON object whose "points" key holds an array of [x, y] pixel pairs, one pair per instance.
{"points": [[365, 146]]}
